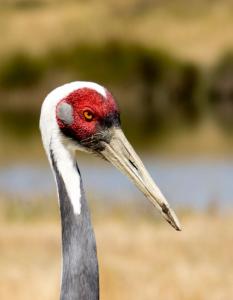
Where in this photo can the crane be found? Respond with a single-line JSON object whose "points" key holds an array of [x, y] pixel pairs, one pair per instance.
{"points": [[84, 116]]}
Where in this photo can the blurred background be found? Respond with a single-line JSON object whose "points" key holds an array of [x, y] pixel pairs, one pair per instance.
{"points": [[169, 64]]}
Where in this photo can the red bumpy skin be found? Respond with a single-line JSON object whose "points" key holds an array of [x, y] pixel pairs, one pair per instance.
{"points": [[86, 99]]}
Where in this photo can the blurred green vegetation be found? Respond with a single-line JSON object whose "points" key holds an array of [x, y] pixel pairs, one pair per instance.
{"points": [[19, 71], [157, 92], [163, 61], [220, 93]]}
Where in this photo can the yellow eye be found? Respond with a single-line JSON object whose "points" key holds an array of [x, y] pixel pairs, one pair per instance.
{"points": [[88, 115]]}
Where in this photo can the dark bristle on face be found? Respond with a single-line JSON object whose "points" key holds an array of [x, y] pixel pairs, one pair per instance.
{"points": [[102, 135], [112, 119], [97, 141]]}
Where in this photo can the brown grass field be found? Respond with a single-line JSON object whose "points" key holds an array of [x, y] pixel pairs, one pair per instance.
{"points": [[140, 258], [199, 31]]}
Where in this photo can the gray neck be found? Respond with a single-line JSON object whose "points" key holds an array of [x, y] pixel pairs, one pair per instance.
{"points": [[80, 276]]}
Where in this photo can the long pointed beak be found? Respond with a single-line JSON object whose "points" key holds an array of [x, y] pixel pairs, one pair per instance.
{"points": [[122, 155]]}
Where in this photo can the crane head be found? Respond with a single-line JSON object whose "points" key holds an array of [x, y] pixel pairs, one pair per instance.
{"points": [[87, 118]]}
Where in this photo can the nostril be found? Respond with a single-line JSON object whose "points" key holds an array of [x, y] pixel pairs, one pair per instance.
{"points": [[133, 164]]}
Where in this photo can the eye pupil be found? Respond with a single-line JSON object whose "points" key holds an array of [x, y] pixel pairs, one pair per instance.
{"points": [[88, 115]]}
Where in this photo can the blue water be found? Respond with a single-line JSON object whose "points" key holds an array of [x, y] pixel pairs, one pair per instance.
{"points": [[192, 183]]}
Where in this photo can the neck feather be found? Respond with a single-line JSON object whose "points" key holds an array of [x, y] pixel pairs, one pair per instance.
{"points": [[80, 278]]}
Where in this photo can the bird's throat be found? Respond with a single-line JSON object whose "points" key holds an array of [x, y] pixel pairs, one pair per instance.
{"points": [[80, 277]]}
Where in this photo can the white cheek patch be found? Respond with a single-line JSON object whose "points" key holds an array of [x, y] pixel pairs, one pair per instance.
{"points": [[66, 165]]}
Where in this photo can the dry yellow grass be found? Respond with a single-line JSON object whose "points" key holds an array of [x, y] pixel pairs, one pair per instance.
{"points": [[197, 30], [139, 259]]}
